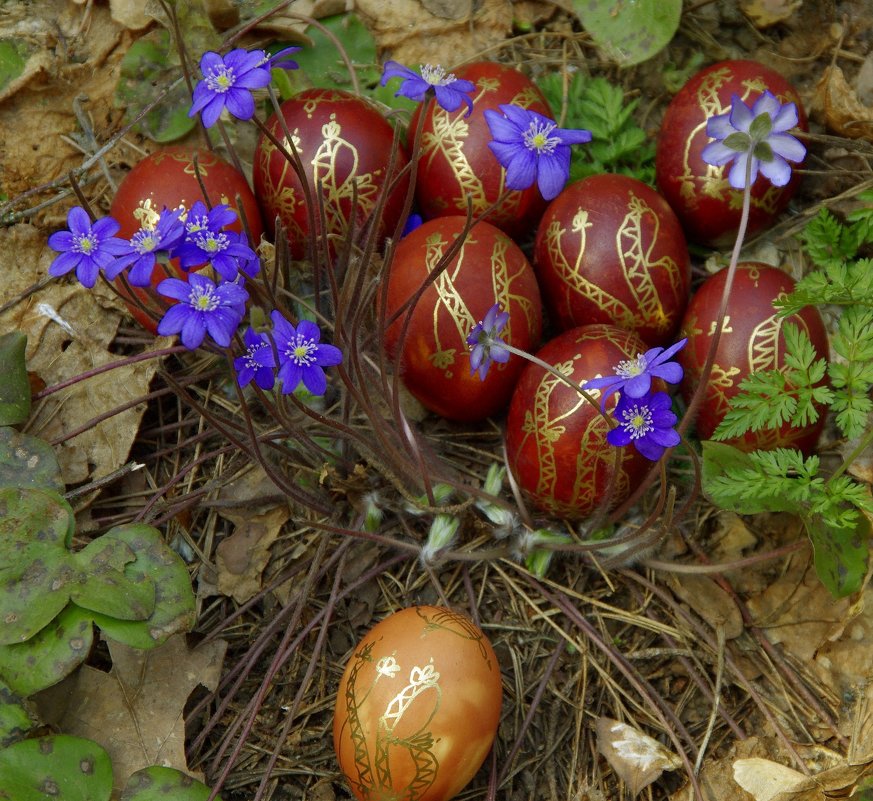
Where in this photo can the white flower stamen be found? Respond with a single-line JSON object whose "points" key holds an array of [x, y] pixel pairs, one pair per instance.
{"points": [[537, 137], [637, 421], [220, 79], [435, 75]]}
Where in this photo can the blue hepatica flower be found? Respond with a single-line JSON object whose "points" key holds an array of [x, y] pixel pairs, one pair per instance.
{"points": [[85, 248], [531, 148], [757, 134], [142, 249], [633, 377], [450, 91], [203, 307], [486, 342], [302, 357], [228, 82], [258, 362], [206, 241], [647, 422]]}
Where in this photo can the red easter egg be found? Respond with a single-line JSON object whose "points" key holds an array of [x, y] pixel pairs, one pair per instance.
{"points": [[168, 178], [434, 358], [752, 339], [345, 144], [556, 441], [698, 192], [456, 164], [610, 250]]}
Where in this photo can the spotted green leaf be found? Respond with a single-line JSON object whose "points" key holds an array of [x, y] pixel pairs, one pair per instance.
{"points": [[27, 461], [156, 563], [47, 657], [55, 767], [629, 31], [164, 784]]}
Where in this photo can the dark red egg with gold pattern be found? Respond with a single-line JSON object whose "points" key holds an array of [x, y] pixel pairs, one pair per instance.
{"points": [[345, 145], [610, 250], [698, 192], [456, 163], [169, 178], [434, 357], [556, 441], [752, 339]]}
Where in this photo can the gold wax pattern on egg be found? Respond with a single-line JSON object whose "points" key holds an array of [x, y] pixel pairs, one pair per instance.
{"points": [[714, 183], [417, 707], [449, 135], [451, 301]]}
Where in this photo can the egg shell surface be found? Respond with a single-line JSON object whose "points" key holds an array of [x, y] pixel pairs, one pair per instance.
{"points": [[417, 707]]}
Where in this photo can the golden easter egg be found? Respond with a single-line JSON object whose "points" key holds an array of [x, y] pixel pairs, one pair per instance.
{"points": [[417, 707]]}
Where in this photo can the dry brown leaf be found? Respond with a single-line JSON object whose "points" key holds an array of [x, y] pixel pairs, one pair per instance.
{"points": [[798, 611], [843, 112], [710, 601], [132, 14], [84, 57], [413, 35], [769, 781], [765, 779], [764, 13], [242, 557], [135, 711], [636, 758], [69, 329]]}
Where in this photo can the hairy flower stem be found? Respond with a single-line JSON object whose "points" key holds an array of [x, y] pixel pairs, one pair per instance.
{"points": [[566, 379], [702, 380], [697, 397]]}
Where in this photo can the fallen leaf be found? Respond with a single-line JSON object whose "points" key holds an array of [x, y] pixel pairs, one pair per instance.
{"points": [[636, 758], [413, 35], [843, 112], [765, 779], [77, 54], [710, 601], [242, 557], [797, 611], [135, 711], [69, 330], [764, 13], [132, 14], [769, 781]]}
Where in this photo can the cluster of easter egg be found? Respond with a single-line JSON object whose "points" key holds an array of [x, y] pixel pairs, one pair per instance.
{"points": [[610, 266], [610, 262]]}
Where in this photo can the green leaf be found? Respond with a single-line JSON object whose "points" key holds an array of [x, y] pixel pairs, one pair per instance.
{"points": [[159, 565], [321, 64], [151, 64], [57, 767], [35, 527], [14, 386], [15, 720], [164, 784], [13, 58], [50, 655], [102, 585], [27, 461], [840, 553], [728, 471], [629, 31]]}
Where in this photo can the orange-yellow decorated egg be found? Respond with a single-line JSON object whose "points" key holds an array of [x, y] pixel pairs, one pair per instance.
{"points": [[417, 707]]}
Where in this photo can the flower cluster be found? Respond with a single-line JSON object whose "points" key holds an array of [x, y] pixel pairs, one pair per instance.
{"points": [[197, 238], [296, 350], [644, 417], [754, 139], [530, 147]]}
